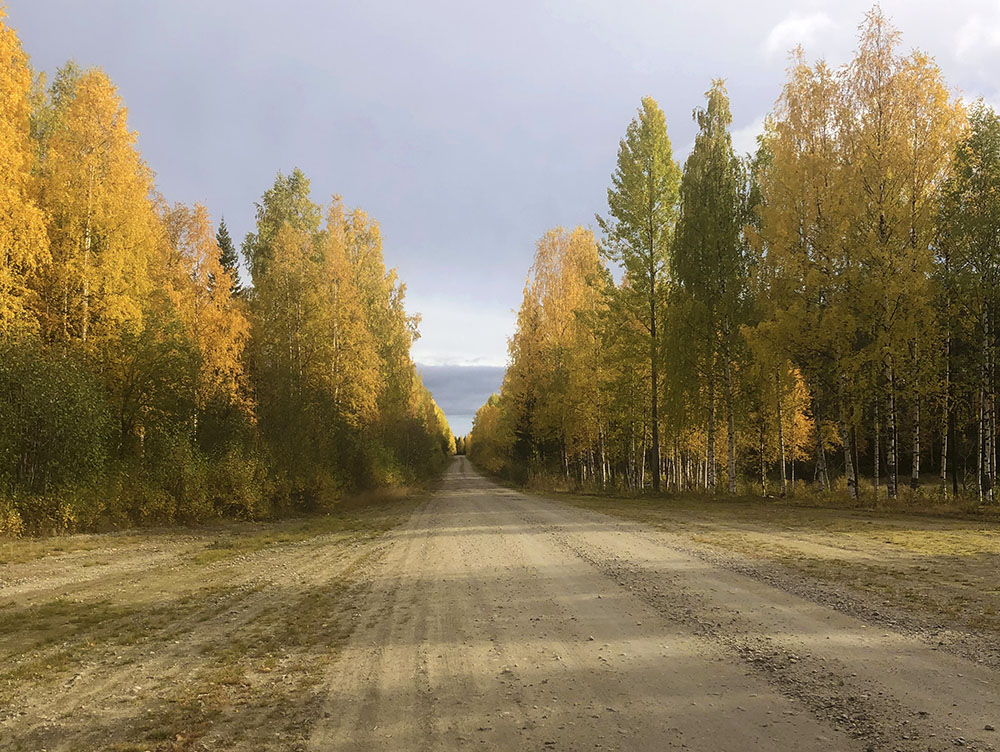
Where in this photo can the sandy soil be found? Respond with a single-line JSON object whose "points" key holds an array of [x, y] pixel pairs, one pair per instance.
{"points": [[488, 619]]}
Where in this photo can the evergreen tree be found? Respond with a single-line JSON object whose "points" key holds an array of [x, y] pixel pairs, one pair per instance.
{"points": [[228, 257]]}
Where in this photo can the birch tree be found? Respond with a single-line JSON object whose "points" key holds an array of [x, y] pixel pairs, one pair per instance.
{"points": [[24, 246], [708, 263]]}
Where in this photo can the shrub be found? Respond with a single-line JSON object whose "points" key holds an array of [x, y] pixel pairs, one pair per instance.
{"points": [[53, 419]]}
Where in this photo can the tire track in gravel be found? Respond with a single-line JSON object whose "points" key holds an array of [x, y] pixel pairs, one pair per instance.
{"points": [[887, 689], [482, 621]]}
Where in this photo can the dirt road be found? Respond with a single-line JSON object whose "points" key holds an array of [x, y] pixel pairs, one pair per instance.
{"points": [[503, 621], [474, 618]]}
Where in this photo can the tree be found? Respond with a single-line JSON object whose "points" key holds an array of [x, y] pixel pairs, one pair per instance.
{"points": [[286, 202], [102, 227], [228, 257], [971, 250], [340, 402], [552, 383], [809, 310], [347, 361], [708, 261], [642, 203], [200, 288], [382, 298], [489, 442], [24, 247], [53, 418], [134, 372], [150, 372], [898, 133]]}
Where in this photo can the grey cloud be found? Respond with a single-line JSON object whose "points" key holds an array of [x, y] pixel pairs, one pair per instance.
{"points": [[466, 129], [461, 390]]}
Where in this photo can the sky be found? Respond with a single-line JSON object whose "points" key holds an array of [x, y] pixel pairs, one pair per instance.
{"points": [[465, 128], [461, 390]]}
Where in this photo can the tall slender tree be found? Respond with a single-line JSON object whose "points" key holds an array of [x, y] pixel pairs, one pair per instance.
{"points": [[708, 264], [642, 203], [286, 202], [971, 223], [101, 223]]}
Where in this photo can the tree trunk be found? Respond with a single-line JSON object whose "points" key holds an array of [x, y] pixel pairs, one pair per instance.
{"points": [[710, 459], [845, 438], [980, 449], [641, 463], [730, 427], [986, 420], [85, 327], [677, 466], [890, 432], [945, 414], [85, 324], [857, 458], [852, 479], [877, 452], [654, 396], [763, 465], [601, 459], [992, 415], [781, 434], [915, 462], [952, 447], [821, 475]]}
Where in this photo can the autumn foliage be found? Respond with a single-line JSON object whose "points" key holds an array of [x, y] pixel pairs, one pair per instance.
{"points": [[138, 381], [823, 311]]}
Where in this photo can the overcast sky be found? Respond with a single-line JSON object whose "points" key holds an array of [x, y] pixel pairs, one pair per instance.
{"points": [[466, 128]]}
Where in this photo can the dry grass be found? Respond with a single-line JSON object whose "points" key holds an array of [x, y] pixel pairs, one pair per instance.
{"points": [[215, 637], [937, 571]]}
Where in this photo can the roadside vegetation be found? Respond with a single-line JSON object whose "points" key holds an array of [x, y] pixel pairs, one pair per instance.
{"points": [[141, 383], [209, 637], [818, 317], [925, 574]]}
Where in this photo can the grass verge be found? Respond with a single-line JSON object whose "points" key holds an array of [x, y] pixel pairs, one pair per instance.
{"points": [[181, 639], [940, 573]]}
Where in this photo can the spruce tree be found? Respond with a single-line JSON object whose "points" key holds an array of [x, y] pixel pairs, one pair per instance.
{"points": [[227, 256]]}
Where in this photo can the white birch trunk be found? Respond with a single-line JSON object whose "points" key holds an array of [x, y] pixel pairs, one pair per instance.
{"points": [[730, 427], [710, 459]]}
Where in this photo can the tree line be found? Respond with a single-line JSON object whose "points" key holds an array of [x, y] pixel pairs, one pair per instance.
{"points": [[139, 381], [820, 312]]}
